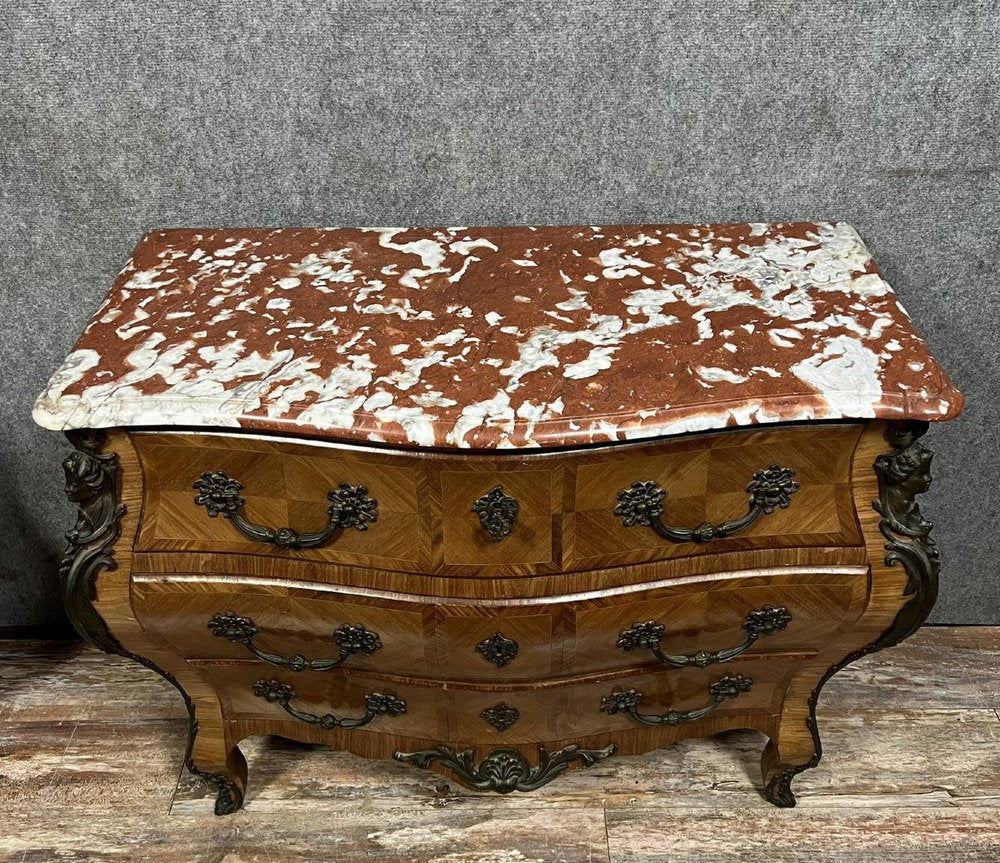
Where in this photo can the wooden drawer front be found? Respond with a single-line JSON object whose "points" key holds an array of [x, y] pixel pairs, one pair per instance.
{"points": [[496, 642], [717, 616], [573, 710], [425, 519], [455, 713], [568, 710], [282, 487], [705, 480], [287, 623], [416, 638], [566, 501], [342, 694]]}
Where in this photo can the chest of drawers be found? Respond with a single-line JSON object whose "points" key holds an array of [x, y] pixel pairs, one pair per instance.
{"points": [[499, 502]]}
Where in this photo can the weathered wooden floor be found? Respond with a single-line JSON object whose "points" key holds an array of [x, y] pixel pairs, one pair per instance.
{"points": [[90, 748]]}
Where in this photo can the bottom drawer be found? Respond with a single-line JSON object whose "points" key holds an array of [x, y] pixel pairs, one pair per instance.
{"points": [[470, 714]]}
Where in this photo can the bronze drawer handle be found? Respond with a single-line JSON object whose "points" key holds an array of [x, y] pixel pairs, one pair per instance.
{"points": [[497, 513], [349, 640], [627, 701], [505, 770], [764, 621], [376, 704], [642, 503], [349, 506]]}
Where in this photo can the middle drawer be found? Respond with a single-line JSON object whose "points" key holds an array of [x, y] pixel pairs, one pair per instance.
{"points": [[299, 625]]}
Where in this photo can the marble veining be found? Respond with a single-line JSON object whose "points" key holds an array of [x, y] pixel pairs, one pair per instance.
{"points": [[490, 338]]}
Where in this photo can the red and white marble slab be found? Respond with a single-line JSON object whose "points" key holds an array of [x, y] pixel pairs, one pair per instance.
{"points": [[498, 337]]}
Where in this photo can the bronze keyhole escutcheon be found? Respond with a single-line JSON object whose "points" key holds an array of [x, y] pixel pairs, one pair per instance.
{"points": [[497, 513]]}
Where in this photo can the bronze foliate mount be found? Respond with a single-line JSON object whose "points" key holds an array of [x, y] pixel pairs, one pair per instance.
{"points": [[92, 484], [497, 513], [348, 638], [903, 474], [348, 507], [497, 649], [376, 704], [763, 621], [641, 503], [505, 770]]}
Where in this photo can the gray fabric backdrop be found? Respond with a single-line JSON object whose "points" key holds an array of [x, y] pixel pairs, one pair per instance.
{"points": [[117, 117]]}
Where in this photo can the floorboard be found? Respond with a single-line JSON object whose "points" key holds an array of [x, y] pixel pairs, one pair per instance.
{"points": [[91, 745]]}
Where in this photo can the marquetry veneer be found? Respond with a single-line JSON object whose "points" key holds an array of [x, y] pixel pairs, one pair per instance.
{"points": [[621, 486], [564, 523], [826, 571]]}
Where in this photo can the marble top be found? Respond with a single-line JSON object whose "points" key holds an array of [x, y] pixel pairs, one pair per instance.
{"points": [[497, 337]]}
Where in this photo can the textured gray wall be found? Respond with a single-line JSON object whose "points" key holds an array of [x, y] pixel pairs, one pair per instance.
{"points": [[119, 117]]}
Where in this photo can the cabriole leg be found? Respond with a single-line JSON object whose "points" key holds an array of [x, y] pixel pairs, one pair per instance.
{"points": [[779, 768], [222, 766]]}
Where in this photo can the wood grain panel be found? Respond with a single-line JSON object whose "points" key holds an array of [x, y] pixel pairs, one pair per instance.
{"points": [[566, 520], [565, 636], [710, 616], [459, 629], [288, 622], [549, 710], [365, 580], [281, 490], [705, 479]]}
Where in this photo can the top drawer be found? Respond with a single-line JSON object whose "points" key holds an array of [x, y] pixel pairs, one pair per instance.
{"points": [[743, 490], [281, 485], [488, 516]]}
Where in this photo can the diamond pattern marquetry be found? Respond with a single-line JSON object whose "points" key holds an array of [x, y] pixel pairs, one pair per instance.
{"points": [[565, 518]]}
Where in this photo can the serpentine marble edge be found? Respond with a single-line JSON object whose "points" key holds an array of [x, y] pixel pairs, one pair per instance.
{"points": [[498, 337]]}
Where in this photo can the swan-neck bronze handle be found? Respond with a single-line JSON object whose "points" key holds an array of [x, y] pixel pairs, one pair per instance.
{"points": [[641, 503], [349, 506]]}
